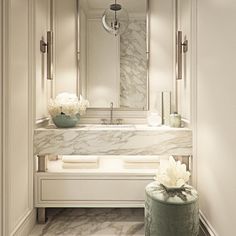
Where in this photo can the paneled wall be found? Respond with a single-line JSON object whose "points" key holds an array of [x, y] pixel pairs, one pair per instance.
{"points": [[184, 85], [1, 115], [65, 46], [83, 52], [162, 26], [103, 57], [215, 109], [43, 86], [18, 211]]}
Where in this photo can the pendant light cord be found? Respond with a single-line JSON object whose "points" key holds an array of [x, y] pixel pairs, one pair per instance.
{"points": [[115, 12]]}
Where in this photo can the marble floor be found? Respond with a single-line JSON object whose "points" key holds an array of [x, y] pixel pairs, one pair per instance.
{"points": [[92, 222]]}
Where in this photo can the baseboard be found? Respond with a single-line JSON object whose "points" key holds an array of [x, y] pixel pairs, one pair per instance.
{"points": [[206, 227], [26, 225]]}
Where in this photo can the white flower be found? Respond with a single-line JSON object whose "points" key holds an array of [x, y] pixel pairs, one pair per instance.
{"points": [[175, 175], [67, 103]]}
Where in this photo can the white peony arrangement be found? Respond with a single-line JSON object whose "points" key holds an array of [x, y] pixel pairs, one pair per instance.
{"points": [[68, 104], [174, 176]]}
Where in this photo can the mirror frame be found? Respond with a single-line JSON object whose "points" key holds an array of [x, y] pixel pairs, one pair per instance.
{"points": [[99, 110]]}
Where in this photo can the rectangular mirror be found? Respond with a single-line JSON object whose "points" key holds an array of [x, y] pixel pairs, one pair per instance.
{"points": [[113, 53]]}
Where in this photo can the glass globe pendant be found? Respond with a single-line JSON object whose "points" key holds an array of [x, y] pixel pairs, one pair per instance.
{"points": [[115, 19]]}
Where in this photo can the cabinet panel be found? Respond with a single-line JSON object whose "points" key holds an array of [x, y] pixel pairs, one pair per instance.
{"points": [[92, 189]]}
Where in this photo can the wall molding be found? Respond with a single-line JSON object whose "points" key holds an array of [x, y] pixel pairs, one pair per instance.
{"points": [[193, 64], [1, 121], [31, 106], [5, 82], [26, 224], [206, 227], [26, 221]]}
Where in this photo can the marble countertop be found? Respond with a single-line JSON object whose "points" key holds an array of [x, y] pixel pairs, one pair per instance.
{"points": [[113, 127], [113, 140]]}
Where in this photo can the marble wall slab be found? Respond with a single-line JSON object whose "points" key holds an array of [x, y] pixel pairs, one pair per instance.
{"points": [[157, 141], [133, 65]]}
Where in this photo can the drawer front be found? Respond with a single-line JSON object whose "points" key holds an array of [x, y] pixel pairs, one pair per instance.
{"points": [[92, 189]]}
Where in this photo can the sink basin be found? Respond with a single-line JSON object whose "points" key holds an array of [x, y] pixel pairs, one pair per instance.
{"points": [[107, 127], [113, 126]]}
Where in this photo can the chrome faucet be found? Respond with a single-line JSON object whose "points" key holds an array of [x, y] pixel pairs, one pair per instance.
{"points": [[111, 113], [111, 121]]}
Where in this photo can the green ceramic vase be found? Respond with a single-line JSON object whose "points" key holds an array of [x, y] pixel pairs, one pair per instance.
{"points": [[65, 121]]}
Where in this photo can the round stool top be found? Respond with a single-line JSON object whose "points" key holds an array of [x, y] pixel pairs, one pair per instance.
{"points": [[158, 192]]}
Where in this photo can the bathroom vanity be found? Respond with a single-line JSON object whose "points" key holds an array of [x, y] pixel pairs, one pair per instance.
{"points": [[112, 72], [109, 185]]}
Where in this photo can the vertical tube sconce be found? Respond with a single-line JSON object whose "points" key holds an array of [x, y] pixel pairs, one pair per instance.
{"points": [[182, 47], [48, 47]]}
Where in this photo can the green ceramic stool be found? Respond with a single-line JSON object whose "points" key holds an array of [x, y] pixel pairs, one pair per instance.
{"points": [[171, 212]]}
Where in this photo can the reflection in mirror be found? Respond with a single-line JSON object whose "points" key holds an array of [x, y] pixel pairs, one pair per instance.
{"points": [[113, 67]]}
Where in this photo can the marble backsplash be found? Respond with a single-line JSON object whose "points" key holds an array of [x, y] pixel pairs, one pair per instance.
{"points": [[138, 141], [133, 66]]}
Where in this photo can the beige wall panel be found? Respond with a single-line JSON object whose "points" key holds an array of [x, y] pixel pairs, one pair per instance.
{"points": [[65, 46], [43, 86], [18, 118], [216, 112], [161, 49], [184, 85]]}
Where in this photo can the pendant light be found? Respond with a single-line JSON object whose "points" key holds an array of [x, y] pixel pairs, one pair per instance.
{"points": [[115, 19]]}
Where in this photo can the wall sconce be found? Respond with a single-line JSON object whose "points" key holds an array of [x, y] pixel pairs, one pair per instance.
{"points": [[48, 48], [182, 47]]}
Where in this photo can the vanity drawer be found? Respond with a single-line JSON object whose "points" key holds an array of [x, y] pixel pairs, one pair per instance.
{"points": [[92, 189]]}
